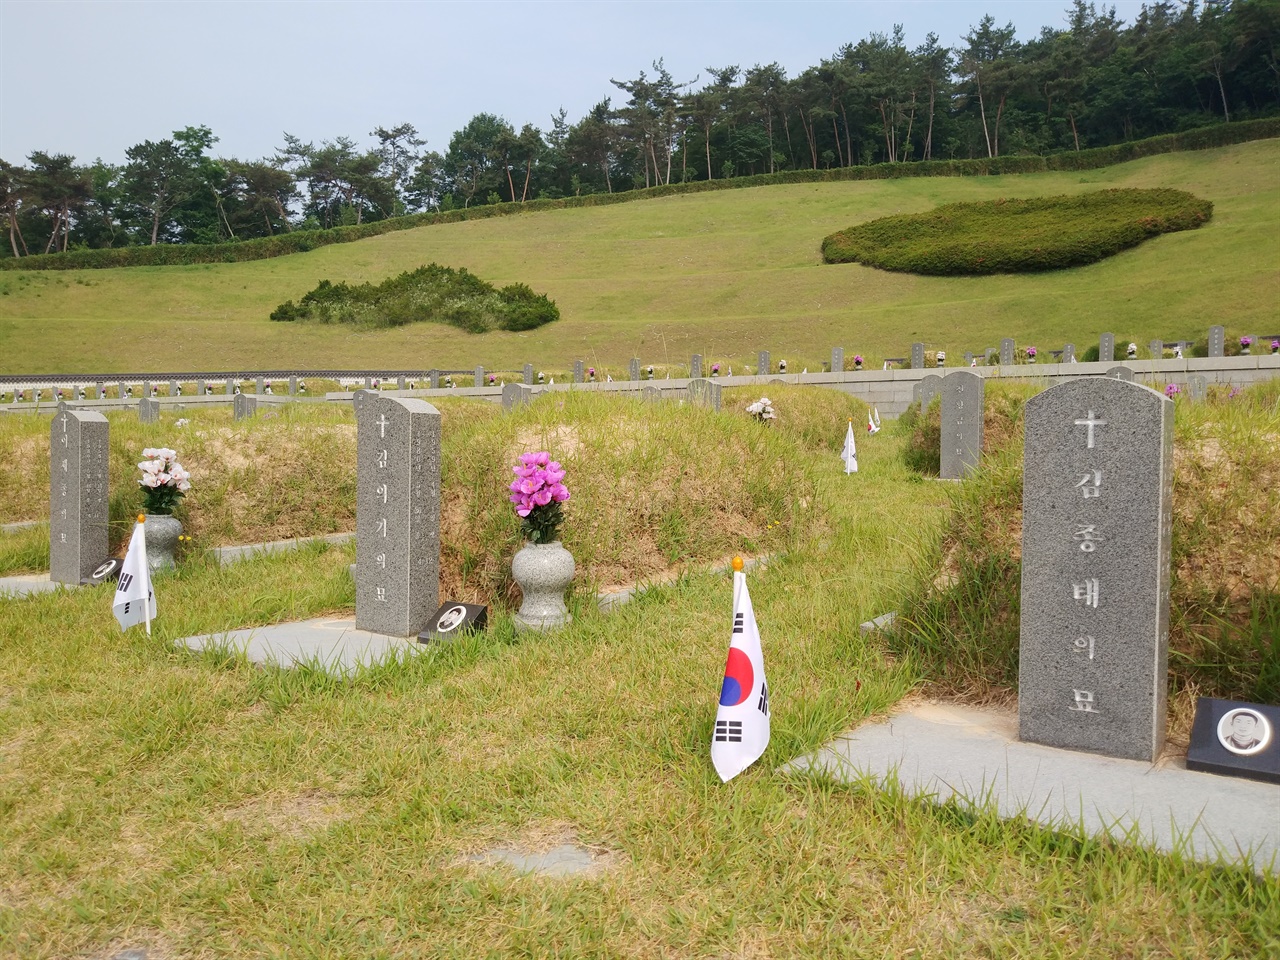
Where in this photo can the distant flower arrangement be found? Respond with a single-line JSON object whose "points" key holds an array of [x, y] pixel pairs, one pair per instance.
{"points": [[762, 410], [1275, 346], [1172, 391], [164, 481], [715, 369], [537, 492], [1031, 352], [857, 360], [1246, 341], [1132, 350]]}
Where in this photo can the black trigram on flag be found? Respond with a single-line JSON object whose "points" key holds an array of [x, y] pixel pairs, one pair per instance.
{"points": [[763, 703], [737, 623], [729, 731], [125, 580]]}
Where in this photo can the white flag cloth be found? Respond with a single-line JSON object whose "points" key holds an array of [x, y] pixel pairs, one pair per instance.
{"points": [[134, 601], [742, 719], [850, 452], [877, 410]]}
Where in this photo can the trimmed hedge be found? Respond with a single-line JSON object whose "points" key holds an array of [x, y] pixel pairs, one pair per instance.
{"points": [[1012, 236], [300, 241], [433, 294]]}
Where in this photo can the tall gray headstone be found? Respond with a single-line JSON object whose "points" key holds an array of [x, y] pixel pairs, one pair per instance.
{"points": [[651, 394], [930, 387], [173, 388], [479, 377], [1197, 387], [148, 410], [368, 383], [100, 391], [244, 405], [400, 383], [1068, 353], [762, 363], [1096, 523], [146, 388], [515, 395], [122, 389], [961, 438], [1217, 341], [1157, 349], [633, 371], [77, 493], [528, 379], [201, 387], [231, 387], [260, 386], [988, 354], [837, 359], [578, 371], [695, 367], [917, 356], [1121, 373], [968, 358], [1107, 348], [704, 393], [1008, 351], [293, 386], [433, 380], [397, 514], [917, 394]]}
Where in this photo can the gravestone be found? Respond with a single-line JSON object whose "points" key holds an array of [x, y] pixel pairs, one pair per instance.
{"points": [[100, 391], [433, 379], [988, 354], [231, 387], [1107, 348], [651, 395], [244, 405], [917, 356], [397, 514], [1157, 349], [1008, 351], [578, 371], [704, 393], [917, 393], [368, 383], [77, 493], [515, 395], [148, 410], [293, 386], [173, 388], [633, 371], [400, 383], [528, 374], [1121, 373], [968, 358], [961, 436], [930, 387], [1217, 341], [260, 386], [762, 363], [695, 368], [837, 359], [146, 388], [1068, 353], [1096, 523], [479, 376], [1197, 387]]}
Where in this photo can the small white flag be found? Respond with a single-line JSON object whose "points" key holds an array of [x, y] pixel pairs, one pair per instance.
{"points": [[850, 452], [134, 601], [877, 410], [742, 719]]}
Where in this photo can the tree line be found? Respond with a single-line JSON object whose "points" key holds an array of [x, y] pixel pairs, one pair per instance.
{"points": [[1093, 83]]}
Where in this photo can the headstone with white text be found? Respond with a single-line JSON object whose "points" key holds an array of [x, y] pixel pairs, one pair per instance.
{"points": [[1217, 341], [837, 359], [1107, 348], [917, 356], [1198, 387], [963, 394], [763, 361], [244, 405], [695, 367], [633, 369], [1068, 353], [78, 447], [704, 393], [930, 387], [1008, 351], [578, 371], [1096, 523], [528, 374]]}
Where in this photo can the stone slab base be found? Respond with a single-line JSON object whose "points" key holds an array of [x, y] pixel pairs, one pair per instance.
{"points": [[227, 555], [25, 584], [944, 751], [333, 645]]}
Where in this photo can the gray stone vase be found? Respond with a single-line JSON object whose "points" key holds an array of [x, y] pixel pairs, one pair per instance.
{"points": [[162, 540], [543, 571]]}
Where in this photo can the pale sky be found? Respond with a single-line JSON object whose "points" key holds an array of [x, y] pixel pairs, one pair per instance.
{"points": [[94, 77]]}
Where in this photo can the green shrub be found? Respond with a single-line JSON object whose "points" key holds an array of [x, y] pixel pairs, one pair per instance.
{"points": [[432, 294], [1011, 235]]}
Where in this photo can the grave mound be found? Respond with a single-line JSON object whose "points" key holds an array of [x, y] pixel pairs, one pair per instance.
{"points": [[1017, 235]]}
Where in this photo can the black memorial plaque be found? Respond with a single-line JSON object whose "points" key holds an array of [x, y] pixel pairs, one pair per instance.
{"points": [[1235, 739], [453, 619], [104, 572]]}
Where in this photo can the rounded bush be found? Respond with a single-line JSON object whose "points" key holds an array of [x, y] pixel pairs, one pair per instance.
{"points": [[1013, 236]]}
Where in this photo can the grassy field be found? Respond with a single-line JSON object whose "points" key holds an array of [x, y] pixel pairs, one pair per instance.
{"points": [[723, 274], [199, 807]]}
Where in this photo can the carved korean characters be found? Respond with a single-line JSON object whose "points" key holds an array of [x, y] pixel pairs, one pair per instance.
{"points": [[77, 493], [1096, 523]]}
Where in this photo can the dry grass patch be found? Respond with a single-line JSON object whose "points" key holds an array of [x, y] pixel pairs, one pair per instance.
{"points": [[294, 815]]}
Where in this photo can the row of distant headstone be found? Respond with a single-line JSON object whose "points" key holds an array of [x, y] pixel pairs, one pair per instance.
{"points": [[1008, 350], [699, 392]]}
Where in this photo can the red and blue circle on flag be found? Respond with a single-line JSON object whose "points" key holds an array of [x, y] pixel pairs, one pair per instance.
{"points": [[739, 679]]}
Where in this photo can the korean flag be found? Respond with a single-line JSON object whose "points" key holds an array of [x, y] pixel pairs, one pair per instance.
{"points": [[742, 720], [850, 452], [134, 601]]}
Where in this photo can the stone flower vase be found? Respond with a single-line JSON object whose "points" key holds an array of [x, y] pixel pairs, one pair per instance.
{"points": [[544, 572], [162, 535]]}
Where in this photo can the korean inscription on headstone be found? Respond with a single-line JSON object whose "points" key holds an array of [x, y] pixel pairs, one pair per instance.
{"points": [[704, 393], [917, 356], [930, 387], [1217, 340], [1107, 348], [244, 405], [961, 435], [77, 493], [695, 368], [762, 363], [837, 359], [1008, 351]]}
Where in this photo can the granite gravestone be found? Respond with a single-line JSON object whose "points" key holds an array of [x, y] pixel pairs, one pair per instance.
{"points": [[433, 379], [917, 393], [77, 493], [961, 436], [704, 393], [1120, 373], [515, 395], [1096, 523], [837, 359], [397, 514], [763, 362], [528, 374], [917, 356], [260, 386], [201, 388], [173, 388], [122, 390], [968, 358], [147, 388], [1217, 341], [1236, 739], [99, 391], [930, 387], [1157, 349], [651, 395], [1198, 387], [231, 387], [1107, 348], [987, 354], [244, 405], [479, 377], [695, 368], [578, 371], [368, 383], [1068, 353], [1008, 351], [400, 383], [633, 369], [148, 410]]}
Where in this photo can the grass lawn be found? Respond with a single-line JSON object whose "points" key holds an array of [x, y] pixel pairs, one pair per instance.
{"points": [[201, 807], [723, 274]]}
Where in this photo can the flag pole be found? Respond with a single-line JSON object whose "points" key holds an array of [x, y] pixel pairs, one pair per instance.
{"points": [[146, 601]]}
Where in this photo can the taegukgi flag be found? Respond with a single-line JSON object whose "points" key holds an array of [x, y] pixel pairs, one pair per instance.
{"points": [[742, 719], [134, 601], [850, 452]]}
